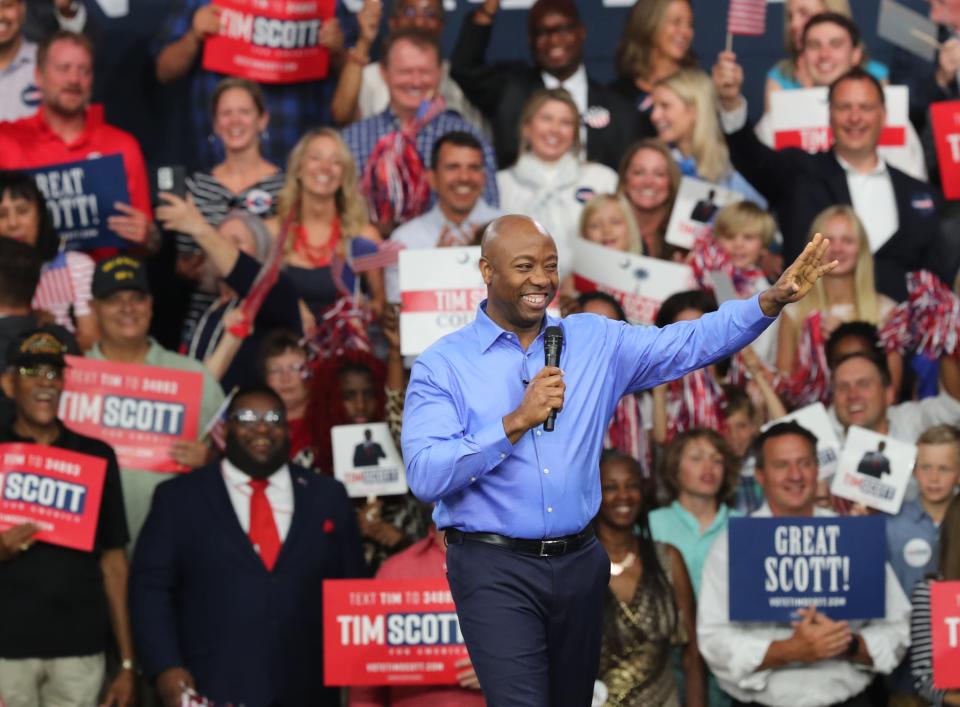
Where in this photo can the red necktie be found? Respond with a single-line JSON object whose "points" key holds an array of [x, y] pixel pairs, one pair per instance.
{"points": [[263, 528]]}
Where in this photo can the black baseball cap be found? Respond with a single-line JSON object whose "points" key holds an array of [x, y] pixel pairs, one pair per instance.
{"points": [[36, 347], [121, 272]]}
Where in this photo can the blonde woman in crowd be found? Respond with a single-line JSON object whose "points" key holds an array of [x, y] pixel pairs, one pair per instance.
{"points": [[847, 294], [330, 225], [685, 117], [549, 182]]}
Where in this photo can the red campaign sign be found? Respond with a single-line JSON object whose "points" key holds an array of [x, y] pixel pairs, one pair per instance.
{"points": [[270, 41], [945, 625], [390, 632], [820, 139], [138, 410], [465, 299], [946, 135], [57, 490]]}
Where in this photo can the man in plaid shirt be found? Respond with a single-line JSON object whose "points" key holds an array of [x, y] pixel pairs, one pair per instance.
{"points": [[293, 108], [411, 70]]}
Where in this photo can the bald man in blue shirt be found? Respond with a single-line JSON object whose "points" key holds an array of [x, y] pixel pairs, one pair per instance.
{"points": [[527, 575]]}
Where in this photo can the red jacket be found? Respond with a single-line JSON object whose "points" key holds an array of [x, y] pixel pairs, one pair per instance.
{"points": [[29, 142]]}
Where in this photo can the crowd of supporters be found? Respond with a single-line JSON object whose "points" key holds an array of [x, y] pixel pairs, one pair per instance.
{"points": [[422, 151]]}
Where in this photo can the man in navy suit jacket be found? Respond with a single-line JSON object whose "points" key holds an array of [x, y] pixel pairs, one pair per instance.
{"points": [[799, 185], [226, 585]]}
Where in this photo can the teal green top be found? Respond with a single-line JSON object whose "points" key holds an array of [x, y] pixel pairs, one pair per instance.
{"points": [[674, 524]]}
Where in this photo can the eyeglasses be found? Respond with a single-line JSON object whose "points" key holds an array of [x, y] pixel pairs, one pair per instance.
{"points": [[250, 417], [567, 28], [46, 372]]}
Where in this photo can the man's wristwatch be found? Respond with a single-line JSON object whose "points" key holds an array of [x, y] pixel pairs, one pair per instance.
{"points": [[127, 664], [853, 646]]}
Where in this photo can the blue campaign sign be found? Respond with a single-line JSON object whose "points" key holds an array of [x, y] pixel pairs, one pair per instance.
{"points": [[779, 565], [80, 197]]}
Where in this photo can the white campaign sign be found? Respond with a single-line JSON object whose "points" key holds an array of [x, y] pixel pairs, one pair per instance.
{"points": [[639, 283], [694, 209], [874, 470], [366, 460], [440, 290], [815, 419]]}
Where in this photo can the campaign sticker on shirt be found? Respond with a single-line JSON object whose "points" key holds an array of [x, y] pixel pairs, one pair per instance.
{"points": [[923, 203], [258, 201], [30, 96], [917, 552], [584, 194], [597, 117]]}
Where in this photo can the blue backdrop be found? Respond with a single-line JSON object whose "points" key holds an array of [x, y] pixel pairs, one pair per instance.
{"points": [[125, 59]]}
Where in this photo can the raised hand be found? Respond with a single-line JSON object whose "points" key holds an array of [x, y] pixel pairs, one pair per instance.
{"points": [[797, 279], [728, 80]]}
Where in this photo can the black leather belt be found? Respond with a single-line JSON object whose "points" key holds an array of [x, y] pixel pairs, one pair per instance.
{"points": [[547, 547]]}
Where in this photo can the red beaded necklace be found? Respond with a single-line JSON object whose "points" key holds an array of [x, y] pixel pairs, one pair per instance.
{"points": [[318, 256]]}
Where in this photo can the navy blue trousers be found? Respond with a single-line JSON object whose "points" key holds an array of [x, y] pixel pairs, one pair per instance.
{"points": [[532, 625]]}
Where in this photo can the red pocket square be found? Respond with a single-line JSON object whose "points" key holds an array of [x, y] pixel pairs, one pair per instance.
{"points": [[328, 526]]}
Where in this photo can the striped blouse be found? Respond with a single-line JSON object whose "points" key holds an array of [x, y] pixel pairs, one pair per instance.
{"points": [[921, 644]]}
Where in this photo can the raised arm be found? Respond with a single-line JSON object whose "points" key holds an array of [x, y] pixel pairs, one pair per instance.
{"points": [[176, 59], [182, 216], [480, 81], [344, 106]]}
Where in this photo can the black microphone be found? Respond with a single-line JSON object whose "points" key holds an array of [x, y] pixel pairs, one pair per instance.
{"points": [[552, 346]]}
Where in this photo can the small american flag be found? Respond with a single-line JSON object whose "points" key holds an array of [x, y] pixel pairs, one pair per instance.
{"points": [[747, 17], [55, 286], [388, 253], [216, 430]]}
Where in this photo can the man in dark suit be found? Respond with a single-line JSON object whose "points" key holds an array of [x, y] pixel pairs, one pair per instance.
{"points": [[556, 35], [368, 452], [227, 577], [900, 213]]}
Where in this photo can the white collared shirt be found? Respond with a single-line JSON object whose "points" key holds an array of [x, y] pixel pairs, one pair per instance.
{"points": [[874, 200], [734, 651], [279, 494], [576, 86]]}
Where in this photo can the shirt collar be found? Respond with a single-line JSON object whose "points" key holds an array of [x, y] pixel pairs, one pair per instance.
{"points": [[765, 512], [94, 119], [576, 82], [879, 170], [280, 479], [26, 54], [914, 510], [489, 331], [688, 519]]}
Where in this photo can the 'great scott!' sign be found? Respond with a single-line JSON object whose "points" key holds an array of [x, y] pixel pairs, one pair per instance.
{"points": [[80, 197], [390, 632], [57, 490], [270, 41], [779, 565], [138, 410]]}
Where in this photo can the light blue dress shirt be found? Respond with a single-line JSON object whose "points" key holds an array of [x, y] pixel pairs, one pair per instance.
{"points": [[548, 483]]}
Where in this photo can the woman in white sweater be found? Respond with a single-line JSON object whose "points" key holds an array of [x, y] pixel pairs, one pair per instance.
{"points": [[549, 182]]}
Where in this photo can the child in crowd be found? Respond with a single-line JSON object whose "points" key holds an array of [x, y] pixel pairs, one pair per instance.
{"points": [[912, 534], [745, 231], [741, 426]]}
